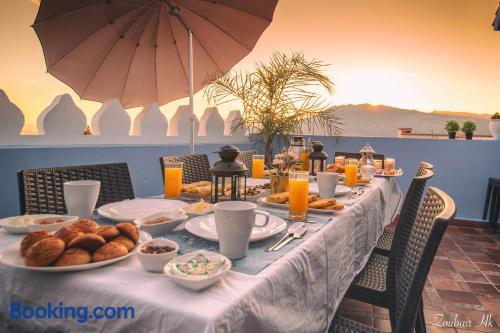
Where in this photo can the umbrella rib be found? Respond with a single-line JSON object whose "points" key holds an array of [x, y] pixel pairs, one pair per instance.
{"points": [[218, 27], [133, 57], [208, 54], [82, 8], [106, 56], [177, 49], [156, 57], [236, 9], [86, 38]]}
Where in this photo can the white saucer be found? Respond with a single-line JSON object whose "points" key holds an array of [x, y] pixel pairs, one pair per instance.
{"points": [[129, 210]]}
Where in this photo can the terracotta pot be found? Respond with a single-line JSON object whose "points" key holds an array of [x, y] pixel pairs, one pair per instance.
{"points": [[452, 135], [495, 128], [469, 135], [279, 184]]}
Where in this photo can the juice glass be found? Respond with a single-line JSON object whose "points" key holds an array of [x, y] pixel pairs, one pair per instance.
{"points": [[304, 158], [173, 180], [258, 166], [351, 172], [339, 160], [298, 189], [378, 164], [389, 164]]}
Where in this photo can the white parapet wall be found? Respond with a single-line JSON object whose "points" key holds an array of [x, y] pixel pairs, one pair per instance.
{"points": [[63, 123]]}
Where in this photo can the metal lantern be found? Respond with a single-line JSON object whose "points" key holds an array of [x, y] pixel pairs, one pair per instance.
{"points": [[228, 171], [367, 156], [317, 158]]}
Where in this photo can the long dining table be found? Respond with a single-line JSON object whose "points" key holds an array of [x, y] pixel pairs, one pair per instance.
{"points": [[298, 292]]}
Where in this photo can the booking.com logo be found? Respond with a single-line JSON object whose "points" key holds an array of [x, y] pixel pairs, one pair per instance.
{"points": [[63, 312]]}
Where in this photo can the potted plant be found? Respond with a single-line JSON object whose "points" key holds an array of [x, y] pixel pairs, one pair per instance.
{"points": [[282, 96], [494, 126], [452, 127], [469, 127], [282, 165]]}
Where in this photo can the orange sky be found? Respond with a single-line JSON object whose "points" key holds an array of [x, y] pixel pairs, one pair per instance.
{"points": [[424, 54]]}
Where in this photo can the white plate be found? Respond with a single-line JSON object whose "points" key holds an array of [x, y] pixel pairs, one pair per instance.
{"points": [[11, 256], [339, 190], [257, 181], [264, 201], [22, 230], [398, 174], [204, 227], [196, 283], [129, 210]]}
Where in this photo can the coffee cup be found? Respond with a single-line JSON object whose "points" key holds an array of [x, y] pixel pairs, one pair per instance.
{"points": [[234, 222], [327, 183], [80, 197]]}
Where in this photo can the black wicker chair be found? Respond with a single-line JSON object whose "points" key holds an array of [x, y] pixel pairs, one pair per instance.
{"points": [[41, 190], [408, 209], [403, 290], [358, 156], [246, 158], [196, 167]]}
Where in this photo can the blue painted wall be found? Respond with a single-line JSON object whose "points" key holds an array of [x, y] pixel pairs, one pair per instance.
{"points": [[462, 168], [143, 162]]}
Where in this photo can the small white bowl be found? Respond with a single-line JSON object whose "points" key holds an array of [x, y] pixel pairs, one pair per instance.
{"points": [[156, 262], [163, 227], [67, 221], [196, 283]]}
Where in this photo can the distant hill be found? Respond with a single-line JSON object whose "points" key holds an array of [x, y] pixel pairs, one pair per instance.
{"points": [[381, 120]]}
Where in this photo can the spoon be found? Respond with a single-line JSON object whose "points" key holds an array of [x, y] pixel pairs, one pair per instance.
{"points": [[300, 231], [291, 230]]}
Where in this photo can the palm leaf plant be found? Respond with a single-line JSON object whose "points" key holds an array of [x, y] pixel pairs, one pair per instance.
{"points": [[280, 97]]}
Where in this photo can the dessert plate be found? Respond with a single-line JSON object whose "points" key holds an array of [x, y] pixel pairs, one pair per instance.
{"points": [[204, 227], [129, 210], [339, 190], [11, 256], [9, 223]]}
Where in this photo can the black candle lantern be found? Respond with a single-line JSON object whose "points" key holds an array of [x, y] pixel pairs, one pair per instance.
{"points": [[228, 171], [317, 158]]}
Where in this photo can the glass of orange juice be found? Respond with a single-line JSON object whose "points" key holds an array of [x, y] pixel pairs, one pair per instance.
{"points": [[258, 166], [351, 172], [298, 190], [304, 158], [173, 180]]}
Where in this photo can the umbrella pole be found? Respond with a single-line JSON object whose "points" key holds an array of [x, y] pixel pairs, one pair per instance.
{"points": [[191, 99]]}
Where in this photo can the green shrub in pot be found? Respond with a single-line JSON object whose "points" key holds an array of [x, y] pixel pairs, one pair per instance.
{"points": [[452, 127], [469, 127]]}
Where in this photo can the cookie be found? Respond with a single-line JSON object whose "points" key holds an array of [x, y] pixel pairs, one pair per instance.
{"points": [[125, 241], [311, 198], [278, 197], [322, 203], [107, 231], [31, 238], [44, 252], [73, 256], [109, 251], [129, 230], [67, 234], [89, 242], [85, 225], [337, 206]]}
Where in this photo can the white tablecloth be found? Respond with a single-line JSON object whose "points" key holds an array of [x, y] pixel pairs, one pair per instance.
{"points": [[298, 293]]}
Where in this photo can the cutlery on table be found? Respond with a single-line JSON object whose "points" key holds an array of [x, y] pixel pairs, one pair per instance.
{"points": [[290, 232], [300, 231]]}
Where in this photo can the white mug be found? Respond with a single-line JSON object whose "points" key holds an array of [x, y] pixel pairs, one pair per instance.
{"points": [[327, 183], [81, 197], [234, 221]]}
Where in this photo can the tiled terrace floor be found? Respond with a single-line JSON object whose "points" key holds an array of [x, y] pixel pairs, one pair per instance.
{"points": [[464, 281]]}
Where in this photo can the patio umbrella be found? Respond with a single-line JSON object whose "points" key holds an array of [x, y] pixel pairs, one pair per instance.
{"points": [[144, 51]]}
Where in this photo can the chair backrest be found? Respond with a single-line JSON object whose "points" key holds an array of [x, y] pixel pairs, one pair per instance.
{"points": [[436, 212], [358, 156], [41, 190], [422, 166], [246, 158], [196, 167], [406, 221]]}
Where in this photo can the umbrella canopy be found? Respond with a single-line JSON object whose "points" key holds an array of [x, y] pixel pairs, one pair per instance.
{"points": [[137, 50]]}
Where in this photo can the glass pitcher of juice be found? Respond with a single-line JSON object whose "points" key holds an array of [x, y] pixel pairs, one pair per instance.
{"points": [[298, 190], [173, 180], [258, 166], [351, 172]]}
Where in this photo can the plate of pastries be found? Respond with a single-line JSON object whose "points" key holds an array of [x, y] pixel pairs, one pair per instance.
{"points": [[203, 190], [315, 204], [389, 173], [83, 245]]}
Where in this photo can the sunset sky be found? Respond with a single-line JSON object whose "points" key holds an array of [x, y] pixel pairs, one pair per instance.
{"points": [[426, 55]]}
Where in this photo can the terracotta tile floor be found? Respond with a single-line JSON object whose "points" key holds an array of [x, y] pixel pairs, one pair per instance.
{"points": [[464, 281]]}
